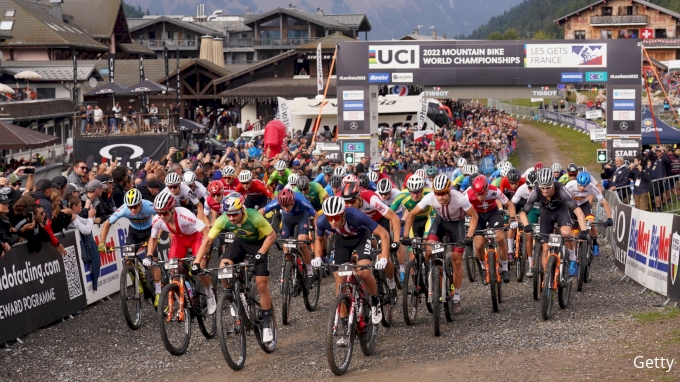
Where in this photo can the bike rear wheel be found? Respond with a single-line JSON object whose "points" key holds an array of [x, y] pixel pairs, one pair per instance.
{"points": [[206, 322], [370, 333], [564, 284], [311, 297], [583, 267], [436, 297], [448, 302], [411, 293], [395, 262], [537, 269], [287, 291], [130, 297], [232, 333], [547, 293], [175, 333], [385, 300], [493, 281], [267, 347], [338, 354], [471, 264], [521, 259]]}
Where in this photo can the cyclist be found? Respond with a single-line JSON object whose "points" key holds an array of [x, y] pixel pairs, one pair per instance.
{"points": [[340, 171], [279, 177], [373, 178], [555, 204], [571, 174], [415, 166], [509, 186], [448, 205], [183, 196], [487, 201], [229, 180], [365, 183], [557, 170], [140, 213], [461, 162], [457, 180], [313, 191], [388, 193], [333, 186], [375, 167], [496, 182], [353, 232], [473, 171], [198, 189], [254, 236], [431, 173], [536, 167], [187, 232], [519, 199], [581, 190], [324, 176], [255, 191]]}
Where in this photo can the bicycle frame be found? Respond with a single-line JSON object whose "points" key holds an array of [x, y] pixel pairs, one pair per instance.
{"points": [[356, 287], [177, 277], [490, 247]]}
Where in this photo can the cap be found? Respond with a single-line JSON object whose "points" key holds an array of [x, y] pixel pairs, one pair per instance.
{"points": [[296, 162], [104, 178], [95, 184], [153, 184], [70, 188], [13, 179], [43, 185], [217, 175], [6, 195], [59, 181], [316, 152]]}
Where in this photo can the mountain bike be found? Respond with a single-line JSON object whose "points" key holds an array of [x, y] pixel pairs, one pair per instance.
{"points": [[472, 264], [585, 255], [492, 265], [520, 259], [536, 255], [387, 300], [182, 300], [556, 274], [294, 279], [415, 283], [352, 303], [239, 313]]}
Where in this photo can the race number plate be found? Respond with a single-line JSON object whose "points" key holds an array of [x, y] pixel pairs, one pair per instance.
{"points": [[537, 229], [226, 272], [555, 240], [587, 225], [345, 270], [171, 264], [437, 248], [290, 244], [229, 237], [129, 250]]}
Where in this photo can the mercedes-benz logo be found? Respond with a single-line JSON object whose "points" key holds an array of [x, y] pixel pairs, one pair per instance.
{"points": [[623, 125], [353, 125]]}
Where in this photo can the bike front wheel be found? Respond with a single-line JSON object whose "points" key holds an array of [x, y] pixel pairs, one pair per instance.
{"points": [[410, 293], [537, 269], [174, 323], [493, 281], [521, 259], [448, 283], [547, 294], [436, 298], [131, 297], [471, 264], [232, 334], [206, 322], [583, 267], [287, 292], [339, 335]]}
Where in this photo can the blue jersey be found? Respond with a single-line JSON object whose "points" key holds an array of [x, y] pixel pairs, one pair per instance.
{"points": [[141, 221], [329, 189], [372, 186], [300, 206], [495, 174], [321, 179], [355, 222], [456, 173], [465, 183]]}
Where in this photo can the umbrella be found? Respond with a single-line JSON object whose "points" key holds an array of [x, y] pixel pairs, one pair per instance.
{"points": [[148, 87], [4, 89], [110, 88], [20, 138], [27, 75], [187, 124]]}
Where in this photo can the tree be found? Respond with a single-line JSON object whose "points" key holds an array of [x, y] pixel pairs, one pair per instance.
{"points": [[543, 35], [495, 35], [510, 34], [147, 12]]}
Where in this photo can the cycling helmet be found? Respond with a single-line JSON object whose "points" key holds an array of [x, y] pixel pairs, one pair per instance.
{"points": [[420, 172], [480, 185], [351, 191], [189, 178], [302, 182], [237, 196], [545, 177], [532, 178], [583, 179], [232, 205], [441, 183], [507, 165], [538, 166], [333, 206], [556, 167], [385, 186], [500, 165], [349, 178], [504, 171], [461, 162], [172, 179], [245, 176], [335, 181], [228, 171], [415, 166], [327, 169], [363, 180], [467, 170], [374, 167], [215, 187], [474, 169], [286, 197], [293, 178], [164, 201], [514, 175], [373, 176], [217, 175], [280, 165], [340, 171], [431, 171], [133, 197], [415, 183], [581, 169], [572, 169]]}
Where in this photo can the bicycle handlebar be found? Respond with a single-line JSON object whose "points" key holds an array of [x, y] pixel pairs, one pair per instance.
{"points": [[295, 240]]}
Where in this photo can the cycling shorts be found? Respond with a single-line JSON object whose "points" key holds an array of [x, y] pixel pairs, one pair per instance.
{"points": [[492, 219], [385, 223], [238, 250], [289, 222], [343, 246], [180, 244], [256, 200], [420, 227], [440, 228], [550, 217], [137, 237], [533, 215], [585, 207]]}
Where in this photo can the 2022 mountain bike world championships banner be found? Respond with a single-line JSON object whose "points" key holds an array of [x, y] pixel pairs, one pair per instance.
{"points": [[37, 289]]}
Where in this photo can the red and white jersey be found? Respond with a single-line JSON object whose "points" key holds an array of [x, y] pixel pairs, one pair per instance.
{"points": [[186, 224], [523, 192], [231, 187], [489, 203], [373, 206], [211, 205], [453, 211], [257, 188], [507, 188]]}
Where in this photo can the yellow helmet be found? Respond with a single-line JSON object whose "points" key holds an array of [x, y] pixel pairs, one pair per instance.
{"points": [[133, 197]]}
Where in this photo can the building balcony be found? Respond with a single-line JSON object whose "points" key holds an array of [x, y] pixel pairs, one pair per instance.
{"points": [[618, 20], [661, 43], [158, 44], [281, 43], [238, 42]]}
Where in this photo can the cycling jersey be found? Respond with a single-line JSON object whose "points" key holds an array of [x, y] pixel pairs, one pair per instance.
{"points": [[321, 179], [253, 227], [372, 205], [382, 175], [330, 191], [458, 179], [300, 206], [465, 183], [355, 222], [393, 196], [564, 179], [184, 197], [495, 174], [372, 186], [231, 187], [276, 176], [404, 199], [496, 182], [141, 221], [581, 197], [508, 189], [560, 198], [200, 191], [456, 173], [489, 203], [523, 193], [212, 205], [315, 195], [457, 206], [257, 188], [186, 224]]}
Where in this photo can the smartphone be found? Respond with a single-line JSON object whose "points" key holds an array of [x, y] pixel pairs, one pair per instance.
{"points": [[177, 157], [29, 217], [113, 156], [29, 171]]}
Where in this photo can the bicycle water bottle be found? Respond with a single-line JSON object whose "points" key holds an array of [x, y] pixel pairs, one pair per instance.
{"points": [[189, 291], [244, 301], [299, 265]]}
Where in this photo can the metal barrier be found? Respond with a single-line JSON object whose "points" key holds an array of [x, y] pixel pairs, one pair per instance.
{"points": [[624, 193], [665, 192]]}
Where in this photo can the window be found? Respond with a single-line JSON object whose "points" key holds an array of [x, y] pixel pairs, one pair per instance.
{"points": [[658, 33], [629, 11], [6, 25], [607, 11], [46, 93], [291, 21], [10, 13], [633, 33], [579, 35], [245, 35], [170, 35], [272, 23], [298, 34], [606, 33]]}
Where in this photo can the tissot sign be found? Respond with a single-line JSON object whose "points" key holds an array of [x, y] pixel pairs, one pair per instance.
{"points": [[440, 66]]}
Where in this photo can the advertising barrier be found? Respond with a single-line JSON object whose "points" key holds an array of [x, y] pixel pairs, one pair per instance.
{"points": [[37, 289], [569, 120]]}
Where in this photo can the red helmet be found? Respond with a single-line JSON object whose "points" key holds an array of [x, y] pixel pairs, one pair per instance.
{"points": [[480, 184], [351, 191], [286, 197], [538, 166], [215, 187]]}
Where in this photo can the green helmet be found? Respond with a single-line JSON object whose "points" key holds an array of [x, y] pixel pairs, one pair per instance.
{"points": [[431, 171]]}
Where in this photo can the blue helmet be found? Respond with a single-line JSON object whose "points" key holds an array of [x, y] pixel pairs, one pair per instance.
{"points": [[583, 179]]}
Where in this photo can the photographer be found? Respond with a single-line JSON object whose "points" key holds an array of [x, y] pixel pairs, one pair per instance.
{"points": [[640, 174], [8, 234], [35, 229]]}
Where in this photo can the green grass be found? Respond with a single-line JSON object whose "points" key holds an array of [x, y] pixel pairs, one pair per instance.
{"points": [[514, 159], [576, 145], [526, 102], [645, 317]]}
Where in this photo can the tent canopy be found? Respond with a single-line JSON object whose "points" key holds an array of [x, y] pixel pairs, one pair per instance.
{"points": [[148, 87], [108, 89], [667, 133], [20, 138]]}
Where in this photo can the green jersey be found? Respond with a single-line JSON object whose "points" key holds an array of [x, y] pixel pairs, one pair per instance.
{"points": [[279, 177], [315, 195], [404, 199], [253, 227], [497, 182], [458, 180], [564, 179]]}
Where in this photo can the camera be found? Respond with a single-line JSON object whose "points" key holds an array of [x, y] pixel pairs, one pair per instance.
{"points": [[29, 171]]}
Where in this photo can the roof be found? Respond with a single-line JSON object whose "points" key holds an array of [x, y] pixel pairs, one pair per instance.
{"points": [[421, 37], [133, 23], [259, 65], [135, 47], [47, 108], [34, 26], [357, 21], [96, 18], [656, 63], [641, 2], [57, 72], [278, 87], [205, 63], [221, 26], [328, 42], [311, 17], [182, 24]]}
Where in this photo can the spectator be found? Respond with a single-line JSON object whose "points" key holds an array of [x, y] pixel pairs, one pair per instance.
{"points": [[98, 119], [42, 195], [152, 188], [153, 111], [620, 180], [362, 166], [640, 174], [84, 225], [94, 189], [8, 234], [117, 117], [59, 183], [35, 229], [106, 197], [658, 172], [78, 172], [120, 180]]}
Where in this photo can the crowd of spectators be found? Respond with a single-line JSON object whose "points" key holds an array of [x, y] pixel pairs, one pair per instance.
{"points": [[21, 95], [117, 120]]}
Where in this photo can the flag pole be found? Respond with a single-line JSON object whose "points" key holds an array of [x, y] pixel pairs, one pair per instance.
{"points": [[325, 92]]}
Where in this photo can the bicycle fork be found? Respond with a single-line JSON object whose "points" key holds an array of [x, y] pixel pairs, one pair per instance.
{"points": [[180, 315]]}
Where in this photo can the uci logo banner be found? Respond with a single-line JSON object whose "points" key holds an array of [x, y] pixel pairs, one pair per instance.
{"points": [[393, 57]]}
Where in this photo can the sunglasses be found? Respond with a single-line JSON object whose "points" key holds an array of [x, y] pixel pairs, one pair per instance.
{"points": [[415, 192], [334, 218], [174, 187], [163, 213], [546, 188], [83, 168], [245, 184], [135, 206], [228, 177], [441, 193], [385, 195], [16, 184], [216, 195]]}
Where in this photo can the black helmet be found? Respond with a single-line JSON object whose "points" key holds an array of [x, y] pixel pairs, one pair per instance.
{"points": [[363, 180], [415, 166], [572, 168], [532, 178], [302, 182], [514, 175], [335, 181]]}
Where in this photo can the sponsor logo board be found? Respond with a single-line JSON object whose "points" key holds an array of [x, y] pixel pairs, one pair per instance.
{"points": [[393, 56], [351, 95]]}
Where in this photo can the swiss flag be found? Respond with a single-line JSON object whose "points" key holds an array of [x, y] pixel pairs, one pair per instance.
{"points": [[647, 33]]}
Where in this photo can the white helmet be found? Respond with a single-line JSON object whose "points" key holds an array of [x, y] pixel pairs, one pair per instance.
{"points": [[441, 182], [340, 171], [384, 186], [332, 206], [189, 178], [420, 172], [556, 167], [461, 162], [172, 179], [228, 171], [504, 171], [507, 165], [280, 165], [373, 176], [292, 179], [474, 169], [415, 183], [350, 178], [245, 176], [545, 177], [164, 201]]}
